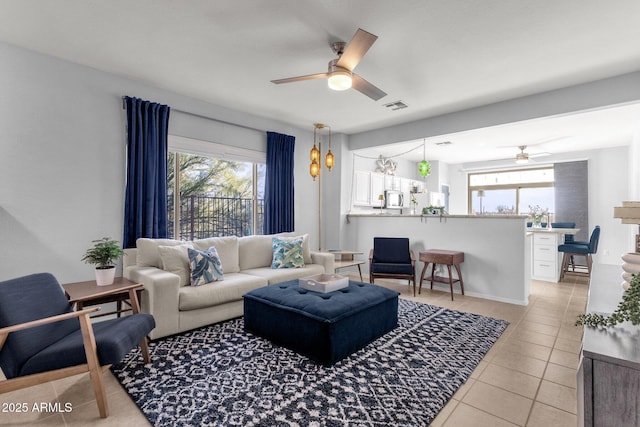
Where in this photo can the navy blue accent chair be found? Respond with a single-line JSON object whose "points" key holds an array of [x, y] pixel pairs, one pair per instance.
{"points": [[42, 339], [568, 238], [391, 258], [583, 249]]}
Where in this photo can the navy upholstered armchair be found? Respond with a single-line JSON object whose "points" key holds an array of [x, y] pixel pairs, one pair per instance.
{"points": [[42, 339], [392, 258]]}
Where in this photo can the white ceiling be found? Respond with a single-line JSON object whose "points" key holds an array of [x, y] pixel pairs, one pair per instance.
{"points": [[436, 56]]}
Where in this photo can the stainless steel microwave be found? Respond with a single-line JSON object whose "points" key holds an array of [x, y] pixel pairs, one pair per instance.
{"points": [[393, 199]]}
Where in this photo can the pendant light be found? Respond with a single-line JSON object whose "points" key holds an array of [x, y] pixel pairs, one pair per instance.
{"points": [[314, 155], [423, 167]]}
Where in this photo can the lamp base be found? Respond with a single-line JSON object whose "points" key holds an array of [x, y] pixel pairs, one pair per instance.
{"points": [[631, 266]]}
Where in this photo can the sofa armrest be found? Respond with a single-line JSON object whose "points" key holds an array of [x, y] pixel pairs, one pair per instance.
{"points": [[130, 258], [159, 297], [325, 259]]}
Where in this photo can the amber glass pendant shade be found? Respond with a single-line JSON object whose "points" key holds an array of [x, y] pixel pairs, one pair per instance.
{"points": [[329, 160]]}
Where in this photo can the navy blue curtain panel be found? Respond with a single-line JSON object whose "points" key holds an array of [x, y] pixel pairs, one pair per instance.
{"points": [[278, 192], [145, 208]]}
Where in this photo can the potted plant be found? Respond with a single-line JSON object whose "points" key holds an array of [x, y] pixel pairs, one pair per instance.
{"points": [[104, 253]]}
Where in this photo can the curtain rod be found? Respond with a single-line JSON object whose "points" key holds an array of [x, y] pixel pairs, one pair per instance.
{"points": [[206, 118]]}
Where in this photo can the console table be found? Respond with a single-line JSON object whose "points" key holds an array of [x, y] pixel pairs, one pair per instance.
{"points": [[609, 375]]}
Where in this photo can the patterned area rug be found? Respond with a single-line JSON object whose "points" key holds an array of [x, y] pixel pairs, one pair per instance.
{"points": [[220, 375]]}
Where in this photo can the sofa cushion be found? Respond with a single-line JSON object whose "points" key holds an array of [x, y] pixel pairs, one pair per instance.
{"points": [[175, 259], [205, 266], [227, 248], [277, 275], [230, 289], [255, 251], [148, 254], [287, 253], [306, 248]]}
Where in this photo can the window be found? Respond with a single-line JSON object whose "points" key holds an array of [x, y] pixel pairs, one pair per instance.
{"points": [[511, 192], [213, 196]]}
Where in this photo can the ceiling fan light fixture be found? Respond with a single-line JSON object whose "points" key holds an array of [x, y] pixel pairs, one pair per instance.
{"points": [[339, 80], [522, 158]]}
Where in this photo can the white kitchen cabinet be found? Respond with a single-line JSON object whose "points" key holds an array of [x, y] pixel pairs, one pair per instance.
{"points": [[367, 186], [362, 188], [377, 187], [391, 182], [546, 263]]}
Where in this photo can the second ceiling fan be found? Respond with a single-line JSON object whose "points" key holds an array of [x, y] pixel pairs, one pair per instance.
{"points": [[340, 74]]}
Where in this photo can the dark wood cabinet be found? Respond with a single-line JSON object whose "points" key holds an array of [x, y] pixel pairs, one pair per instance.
{"points": [[609, 374]]}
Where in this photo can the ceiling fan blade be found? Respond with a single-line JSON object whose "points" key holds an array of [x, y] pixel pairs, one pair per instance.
{"points": [[543, 154], [363, 86], [356, 49], [300, 78]]}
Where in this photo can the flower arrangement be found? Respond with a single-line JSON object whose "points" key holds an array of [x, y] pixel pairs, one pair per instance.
{"points": [[537, 214]]}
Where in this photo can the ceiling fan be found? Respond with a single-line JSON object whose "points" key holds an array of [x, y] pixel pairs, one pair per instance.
{"points": [[522, 157], [340, 74]]}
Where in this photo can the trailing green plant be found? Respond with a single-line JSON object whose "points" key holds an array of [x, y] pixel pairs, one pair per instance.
{"points": [[628, 309], [104, 253]]}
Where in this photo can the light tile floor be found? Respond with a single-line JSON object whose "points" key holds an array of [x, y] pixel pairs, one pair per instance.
{"points": [[528, 378]]}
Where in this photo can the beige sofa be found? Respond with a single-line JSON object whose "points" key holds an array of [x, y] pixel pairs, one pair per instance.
{"points": [[246, 263]]}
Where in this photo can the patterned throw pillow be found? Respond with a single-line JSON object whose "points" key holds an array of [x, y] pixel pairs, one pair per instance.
{"points": [[205, 266], [287, 253]]}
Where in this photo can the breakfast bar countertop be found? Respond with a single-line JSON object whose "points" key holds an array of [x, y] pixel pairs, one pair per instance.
{"points": [[387, 214]]}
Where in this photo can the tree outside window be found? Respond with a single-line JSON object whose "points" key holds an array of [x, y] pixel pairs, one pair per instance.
{"points": [[210, 196]]}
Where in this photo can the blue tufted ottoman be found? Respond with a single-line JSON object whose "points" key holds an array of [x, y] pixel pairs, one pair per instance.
{"points": [[324, 327]]}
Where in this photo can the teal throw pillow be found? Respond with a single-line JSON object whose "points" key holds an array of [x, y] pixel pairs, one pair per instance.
{"points": [[287, 253], [205, 266]]}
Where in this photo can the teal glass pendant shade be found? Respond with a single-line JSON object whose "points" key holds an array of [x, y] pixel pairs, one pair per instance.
{"points": [[424, 168]]}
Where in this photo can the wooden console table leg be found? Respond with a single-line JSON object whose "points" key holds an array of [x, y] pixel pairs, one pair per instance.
{"points": [[425, 265], [450, 280], [458, 269], [433, 271]]}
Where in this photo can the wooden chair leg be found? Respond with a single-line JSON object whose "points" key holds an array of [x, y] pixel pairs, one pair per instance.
{"points": [[413, 278], [95, 372], [565, 265], [144, 347]]}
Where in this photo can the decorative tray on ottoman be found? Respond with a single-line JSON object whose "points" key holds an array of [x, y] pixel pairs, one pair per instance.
{"points": [[323, 282]]}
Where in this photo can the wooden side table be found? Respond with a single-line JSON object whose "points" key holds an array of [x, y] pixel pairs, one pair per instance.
{"points": [[89, 293], [445, 257], [347, 259]]}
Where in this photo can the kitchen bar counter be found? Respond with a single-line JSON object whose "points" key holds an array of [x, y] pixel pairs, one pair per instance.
{"points": [[497, 250], [397, 215]]}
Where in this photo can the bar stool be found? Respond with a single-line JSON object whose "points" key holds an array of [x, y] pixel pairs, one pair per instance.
{"points": [[575, 249], [444, 257]]}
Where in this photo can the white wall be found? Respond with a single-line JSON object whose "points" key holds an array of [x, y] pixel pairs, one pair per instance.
{"points": [[62, 167]]}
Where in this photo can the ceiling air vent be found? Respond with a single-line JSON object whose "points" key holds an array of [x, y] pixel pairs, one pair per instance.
{"points": [[397, 105], [443, 143]]}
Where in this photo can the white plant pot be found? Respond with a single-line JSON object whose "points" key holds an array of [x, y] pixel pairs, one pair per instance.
{"points": [[105, 276]]}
